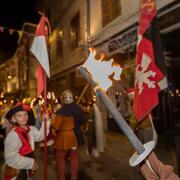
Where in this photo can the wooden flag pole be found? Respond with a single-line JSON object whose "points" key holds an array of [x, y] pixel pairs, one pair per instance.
{"points": [[40, 51], [45, 130], [82, 94]]}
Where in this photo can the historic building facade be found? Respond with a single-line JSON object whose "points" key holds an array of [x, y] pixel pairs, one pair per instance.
{"points": [[67, 43], [110, 26], [18, 74]]}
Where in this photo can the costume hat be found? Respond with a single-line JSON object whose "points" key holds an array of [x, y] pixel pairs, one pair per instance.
{"points": [[130, 91], [16, 108]]}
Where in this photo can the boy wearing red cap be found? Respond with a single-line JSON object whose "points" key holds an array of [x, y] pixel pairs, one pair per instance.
{"points": [[19, 144]]}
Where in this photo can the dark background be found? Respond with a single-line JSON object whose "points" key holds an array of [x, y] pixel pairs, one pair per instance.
{"points": [[13, 13]]}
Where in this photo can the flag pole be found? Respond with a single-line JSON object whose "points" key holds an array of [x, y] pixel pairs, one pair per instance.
{"points": [[45, 119], [84, 90], [45, 129], [40, 51]]}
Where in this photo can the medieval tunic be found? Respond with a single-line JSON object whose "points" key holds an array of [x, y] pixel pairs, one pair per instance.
{"points": [[68, 125], [13, 144], [65, 137]]}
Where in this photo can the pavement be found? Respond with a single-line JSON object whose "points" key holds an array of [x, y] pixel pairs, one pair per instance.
{"points": [[113, 164]]}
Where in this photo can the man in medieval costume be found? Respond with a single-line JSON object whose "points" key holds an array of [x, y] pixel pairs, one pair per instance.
{"points": [[95, 131], [68, 135]]}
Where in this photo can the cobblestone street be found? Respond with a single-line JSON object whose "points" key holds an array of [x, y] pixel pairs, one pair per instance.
{"points": [[110, 165]]}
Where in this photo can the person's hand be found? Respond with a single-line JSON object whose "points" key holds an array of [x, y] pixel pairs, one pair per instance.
{"points": [[53, 115], [53, 132], [35, 167], [45, 116]]}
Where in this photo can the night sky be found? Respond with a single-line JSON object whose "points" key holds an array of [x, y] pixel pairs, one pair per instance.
{"points": [[12, 15]]}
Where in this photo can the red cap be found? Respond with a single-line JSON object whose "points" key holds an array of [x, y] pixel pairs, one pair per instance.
{"points": [[130, 91]]}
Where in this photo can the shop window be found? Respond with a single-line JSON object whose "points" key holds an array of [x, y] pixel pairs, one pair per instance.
{"points": [[110, 10], [75, 31]]}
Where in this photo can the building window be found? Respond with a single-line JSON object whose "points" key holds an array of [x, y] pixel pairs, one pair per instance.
{"points": [[59, 46], [75, 31], [59, 49], [110, 10]]}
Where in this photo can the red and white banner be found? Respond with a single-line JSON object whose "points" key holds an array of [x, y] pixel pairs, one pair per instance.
{"points": [[149, 79], [40, 51]]}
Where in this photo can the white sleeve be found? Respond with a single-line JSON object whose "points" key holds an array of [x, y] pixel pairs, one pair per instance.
{"points": [[12, 145], [38, 135]]}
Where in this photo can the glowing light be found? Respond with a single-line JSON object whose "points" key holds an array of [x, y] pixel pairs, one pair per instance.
{"points": [[94, 98], [61, 33], [53, 96], [101, 70], [177, 91], [9, 77], [40, 103], [32, 102], [73, 34], [49, 95], [51, 39], [43, 101], [56, 100], [27, 100]]}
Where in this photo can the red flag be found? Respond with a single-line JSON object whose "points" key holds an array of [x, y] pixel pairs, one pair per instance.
{"points": [[39, 49], [40, 80], [149, 78]]}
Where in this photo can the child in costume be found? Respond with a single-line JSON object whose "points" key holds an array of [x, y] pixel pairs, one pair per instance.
{"points": [[20, 163]]}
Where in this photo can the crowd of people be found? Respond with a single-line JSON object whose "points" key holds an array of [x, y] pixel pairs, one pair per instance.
{"points": [[69, 126]]}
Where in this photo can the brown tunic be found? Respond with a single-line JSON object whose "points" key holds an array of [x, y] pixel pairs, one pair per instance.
{"points": [[65, 138]]}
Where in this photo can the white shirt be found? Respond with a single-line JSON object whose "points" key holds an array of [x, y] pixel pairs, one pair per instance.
{"points": [[13, 143]]}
